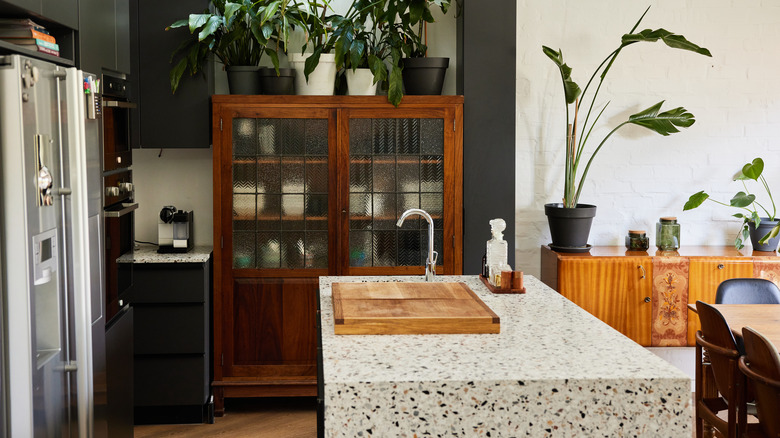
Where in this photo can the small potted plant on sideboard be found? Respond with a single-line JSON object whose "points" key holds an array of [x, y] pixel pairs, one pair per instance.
{"points": [[759, 229]]}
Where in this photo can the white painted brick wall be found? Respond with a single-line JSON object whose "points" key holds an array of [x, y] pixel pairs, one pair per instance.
{"points": [[639, 175]]}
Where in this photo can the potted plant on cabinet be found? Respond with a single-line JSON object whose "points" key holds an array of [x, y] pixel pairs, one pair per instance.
{"points": [[569, 220], [422, 75], [233, 32], [315, 72], [360, 51], [753, 225], [279, 18]]}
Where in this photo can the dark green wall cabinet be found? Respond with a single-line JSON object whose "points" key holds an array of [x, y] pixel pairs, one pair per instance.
{"points": [[64, 12], [104, 36], [166, 120]]}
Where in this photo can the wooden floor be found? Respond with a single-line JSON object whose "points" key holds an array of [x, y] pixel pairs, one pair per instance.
{"points": [[256, 418]]}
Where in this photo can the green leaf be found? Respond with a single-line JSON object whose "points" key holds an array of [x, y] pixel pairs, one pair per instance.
{"points": [[179, 23], [198, 20], [695, 200], [341, 47], [395, 91], [770, 235], [356, 52], [745, 233], [571, 90], [416, 9], [755, 218], [378, 68], [753, 170], [311, 63], [739, 216], [742, 199], [664, 123], [211, 26], [230, 12], [274, 59], [176, 74], [738, 243], [670, 39]]}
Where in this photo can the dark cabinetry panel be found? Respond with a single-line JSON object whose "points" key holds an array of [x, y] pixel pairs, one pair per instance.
{"points": [[172, 303], [104, 35], [168, 120], [64, 12]]}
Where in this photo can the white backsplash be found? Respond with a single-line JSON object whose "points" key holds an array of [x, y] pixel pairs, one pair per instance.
{"points": [[179, 177]]}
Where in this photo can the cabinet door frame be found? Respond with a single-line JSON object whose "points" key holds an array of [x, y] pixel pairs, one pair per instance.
{"points": [[452, 193]]}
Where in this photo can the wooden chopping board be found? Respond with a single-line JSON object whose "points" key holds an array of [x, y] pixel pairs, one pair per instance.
{"points": [[410, 308]]}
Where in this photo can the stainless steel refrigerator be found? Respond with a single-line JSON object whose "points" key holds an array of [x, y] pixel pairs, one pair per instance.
{"points": [[45, 233]]}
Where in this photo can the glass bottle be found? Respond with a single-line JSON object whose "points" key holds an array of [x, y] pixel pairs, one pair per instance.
{"points": [[497, 248], [637, 240], [667, 234]]}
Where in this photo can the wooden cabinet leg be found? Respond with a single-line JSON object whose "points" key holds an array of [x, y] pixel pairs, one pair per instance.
{"points": [[219, 402]]}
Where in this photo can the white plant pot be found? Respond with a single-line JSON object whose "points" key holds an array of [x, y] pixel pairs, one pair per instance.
{"points": [[322, 80], [360, 82]]}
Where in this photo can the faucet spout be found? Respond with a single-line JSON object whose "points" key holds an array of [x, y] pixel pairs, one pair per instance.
{"points": [[430, 263]]}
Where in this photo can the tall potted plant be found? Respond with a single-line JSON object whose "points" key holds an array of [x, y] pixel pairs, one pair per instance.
{"points": [[233, 32], [755, 226], [569, 220]]}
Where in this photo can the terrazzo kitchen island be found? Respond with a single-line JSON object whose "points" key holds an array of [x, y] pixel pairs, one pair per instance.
{"points": [[553, 370]]}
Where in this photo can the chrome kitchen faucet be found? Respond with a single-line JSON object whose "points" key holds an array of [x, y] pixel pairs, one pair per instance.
{"points": [[430, 263]]}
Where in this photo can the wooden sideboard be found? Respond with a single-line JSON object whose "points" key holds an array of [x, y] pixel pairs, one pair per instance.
{"points": [[644, 294]]}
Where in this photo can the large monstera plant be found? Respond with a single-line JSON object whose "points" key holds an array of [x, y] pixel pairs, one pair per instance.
{"points": [[656, 119]]}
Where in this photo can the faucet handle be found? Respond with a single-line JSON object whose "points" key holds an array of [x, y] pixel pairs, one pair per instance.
{"points": [[435, 258]]}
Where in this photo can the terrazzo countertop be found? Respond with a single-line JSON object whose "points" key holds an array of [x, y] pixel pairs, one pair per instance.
{"points": [[148, 254], [553, 371]]}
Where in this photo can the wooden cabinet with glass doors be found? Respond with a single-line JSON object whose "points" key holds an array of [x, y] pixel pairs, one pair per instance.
{"points": [[306, 186]]}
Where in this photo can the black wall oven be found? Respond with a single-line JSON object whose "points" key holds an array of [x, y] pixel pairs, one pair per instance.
{"points": [[118, 193]]}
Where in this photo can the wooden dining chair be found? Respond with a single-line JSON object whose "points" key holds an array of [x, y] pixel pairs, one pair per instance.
{"points": [[747, 291], [761, 366], [722, 355]]}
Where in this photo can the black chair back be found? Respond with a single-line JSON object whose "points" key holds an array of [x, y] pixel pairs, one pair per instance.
{"points": [[747, 291]]}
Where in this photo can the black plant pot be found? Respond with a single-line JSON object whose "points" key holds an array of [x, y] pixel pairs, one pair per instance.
{"points": [[424, 76], [763, 228], [570, 227], [243, 79], [270, 83]]}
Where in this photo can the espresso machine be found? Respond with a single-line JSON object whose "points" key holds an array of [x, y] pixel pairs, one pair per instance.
{"points": [[174, 234]]}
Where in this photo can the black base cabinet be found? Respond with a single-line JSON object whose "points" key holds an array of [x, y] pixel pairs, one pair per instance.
{"points": [[172, 346]]}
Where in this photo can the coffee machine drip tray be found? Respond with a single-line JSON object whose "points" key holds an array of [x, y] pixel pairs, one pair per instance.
{"points": [[174, 235]]}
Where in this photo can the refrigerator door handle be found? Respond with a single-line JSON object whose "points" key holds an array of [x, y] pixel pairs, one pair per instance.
{"points": [[68, 367]]}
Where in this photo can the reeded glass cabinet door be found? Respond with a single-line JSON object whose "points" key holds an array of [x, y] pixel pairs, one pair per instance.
{"points": [[395, 164], [280, 193]]}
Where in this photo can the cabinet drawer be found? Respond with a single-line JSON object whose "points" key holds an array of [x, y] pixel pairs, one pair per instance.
{"points": [[171, 381], [177, 329], [170, 283]]}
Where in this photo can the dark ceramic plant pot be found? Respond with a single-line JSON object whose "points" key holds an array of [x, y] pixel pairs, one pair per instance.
{"points": [[284, 83], [243, 79], [424, 76], [763, 228], [570, 227]]}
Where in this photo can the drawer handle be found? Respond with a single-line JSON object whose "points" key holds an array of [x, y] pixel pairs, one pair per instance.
{"points": [[720, 266], [647, 299], [643, 271]]}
